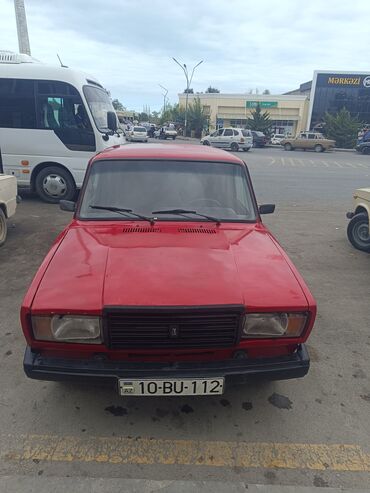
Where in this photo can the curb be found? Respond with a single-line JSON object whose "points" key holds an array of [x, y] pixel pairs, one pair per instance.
{"points": [[17, 484]]}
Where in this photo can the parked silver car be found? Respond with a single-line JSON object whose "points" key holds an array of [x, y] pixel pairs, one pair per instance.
{"points": [[229, 138]]}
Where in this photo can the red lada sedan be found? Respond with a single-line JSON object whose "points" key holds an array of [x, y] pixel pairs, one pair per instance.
{"points": [[166, 282]]}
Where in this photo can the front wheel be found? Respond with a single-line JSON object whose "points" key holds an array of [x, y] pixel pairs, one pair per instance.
{"points": [[174, 137], [288, 147], [358, 232], [246, 149], [206, 143], [365, 150], [54, 184], [319, 148], [3, 228]]}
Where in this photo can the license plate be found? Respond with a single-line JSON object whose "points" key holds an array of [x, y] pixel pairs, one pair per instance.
{"points": [[187, 386]]}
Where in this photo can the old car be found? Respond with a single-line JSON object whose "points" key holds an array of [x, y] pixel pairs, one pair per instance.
{"points": [[358, 226], [308, 141], [8, 202], [166, 281]]}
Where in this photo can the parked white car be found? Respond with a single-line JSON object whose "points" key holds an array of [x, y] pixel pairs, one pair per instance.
{"points": [[276, 139], [8, 203], [137, 134], [229, 138]]}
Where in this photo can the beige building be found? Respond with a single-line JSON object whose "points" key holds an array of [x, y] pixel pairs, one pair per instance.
{"points": [[289, 113]]}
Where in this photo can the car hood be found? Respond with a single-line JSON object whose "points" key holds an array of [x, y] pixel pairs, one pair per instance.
{"points": [[362, 193], [184, 264]]}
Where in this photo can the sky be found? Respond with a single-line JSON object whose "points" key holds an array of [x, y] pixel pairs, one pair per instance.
{"points": [[128, 45]]}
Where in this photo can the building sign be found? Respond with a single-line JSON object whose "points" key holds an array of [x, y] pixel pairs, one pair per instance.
{"points": [[333, 91], [261, 104], [343, 80]]}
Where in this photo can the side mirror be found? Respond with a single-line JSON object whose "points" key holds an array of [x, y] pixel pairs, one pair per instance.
{"points": [[266, 208], [112, 121], [67, 205]]}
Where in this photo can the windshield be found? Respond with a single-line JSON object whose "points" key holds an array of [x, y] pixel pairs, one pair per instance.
{"points": [[99, 104], [216, 189]]}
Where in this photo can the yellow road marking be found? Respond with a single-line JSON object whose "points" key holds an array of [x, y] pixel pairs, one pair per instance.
{"points": [[119, 450]]}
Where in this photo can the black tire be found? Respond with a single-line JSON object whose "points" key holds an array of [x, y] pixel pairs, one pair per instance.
{"points": [[64, 186], [319, 148], [174, 137], [234, 147], [358, 232], [246, 149], [288, 147], [206, 143], [365, 150], [3, 228]]}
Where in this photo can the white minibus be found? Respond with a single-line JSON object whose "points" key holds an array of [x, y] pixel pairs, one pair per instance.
{"points": [[52, 120]]}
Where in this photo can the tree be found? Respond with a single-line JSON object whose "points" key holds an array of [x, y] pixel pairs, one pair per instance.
{"points": [[197, 118], [342, 127], [189, 91], [117, 105], [260, 122], [266, 91], [211, 89], [154, 117], [143, 117]]}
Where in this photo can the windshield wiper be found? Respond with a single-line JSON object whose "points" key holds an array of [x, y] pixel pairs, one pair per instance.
{"points": [[123, 211], [181, 212]]}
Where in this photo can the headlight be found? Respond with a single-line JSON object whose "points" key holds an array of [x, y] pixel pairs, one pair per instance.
{"points": [[274, 325], [67, 328]]}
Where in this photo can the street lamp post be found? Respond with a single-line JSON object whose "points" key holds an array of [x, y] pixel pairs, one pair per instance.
{"points": [[164, 97], [188, 83]]}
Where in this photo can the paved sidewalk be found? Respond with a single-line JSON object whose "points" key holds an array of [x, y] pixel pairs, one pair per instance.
{"points": [[24, 484]]}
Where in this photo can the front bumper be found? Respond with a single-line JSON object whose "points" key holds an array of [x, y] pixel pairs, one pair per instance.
{"points": [[42, 367]]}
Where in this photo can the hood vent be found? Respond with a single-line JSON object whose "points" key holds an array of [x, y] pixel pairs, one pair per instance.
{"points": [[198, 230], [140, 229]]}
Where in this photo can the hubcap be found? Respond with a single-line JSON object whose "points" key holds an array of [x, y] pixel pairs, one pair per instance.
{"points": [[361, 232], [54, 185]]}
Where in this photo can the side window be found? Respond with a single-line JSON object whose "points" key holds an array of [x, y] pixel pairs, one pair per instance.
{"points": [[303, 136], [60, 108], [236, 133], [311, 136], [228, 132], [17, 103]]}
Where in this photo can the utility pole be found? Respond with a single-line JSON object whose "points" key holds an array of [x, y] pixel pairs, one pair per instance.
{"points": [[188, 83], [20, 16]]}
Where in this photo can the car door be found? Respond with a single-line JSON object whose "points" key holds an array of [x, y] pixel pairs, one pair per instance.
{"points": [[226, 138], [302, 141], [215, 137]]}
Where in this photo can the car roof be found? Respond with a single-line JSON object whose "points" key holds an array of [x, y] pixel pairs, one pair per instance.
{"points": [[181, 152]]}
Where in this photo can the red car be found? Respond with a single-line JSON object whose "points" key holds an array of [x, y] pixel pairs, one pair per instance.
{"points": [[166, 282]]}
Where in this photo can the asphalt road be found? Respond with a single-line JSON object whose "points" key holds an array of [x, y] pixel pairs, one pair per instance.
{"points": [[308, 432]]}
